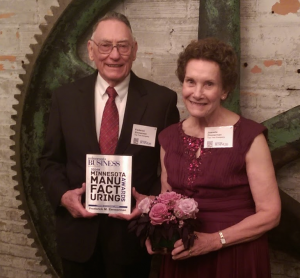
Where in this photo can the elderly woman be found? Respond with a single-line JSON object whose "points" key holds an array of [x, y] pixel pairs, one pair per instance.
{"points": [[222, 160]]}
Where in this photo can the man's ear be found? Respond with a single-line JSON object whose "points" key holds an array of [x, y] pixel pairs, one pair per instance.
{"points": [[134, 50], [90, 50]]}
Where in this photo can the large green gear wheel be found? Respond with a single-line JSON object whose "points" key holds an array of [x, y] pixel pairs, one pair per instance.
{"points": [[47, 259]]}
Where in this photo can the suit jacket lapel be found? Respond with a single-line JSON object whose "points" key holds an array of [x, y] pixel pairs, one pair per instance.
{"points": [[135, 107], [86, 104]]}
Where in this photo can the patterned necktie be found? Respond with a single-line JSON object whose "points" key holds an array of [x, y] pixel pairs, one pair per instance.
{"points": [[109, 130]]}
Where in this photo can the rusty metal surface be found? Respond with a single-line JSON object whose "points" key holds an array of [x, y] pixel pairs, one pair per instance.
{"points": [[54, 62]]}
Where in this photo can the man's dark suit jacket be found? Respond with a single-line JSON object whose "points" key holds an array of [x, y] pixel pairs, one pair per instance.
{"points": [[71, 134]]}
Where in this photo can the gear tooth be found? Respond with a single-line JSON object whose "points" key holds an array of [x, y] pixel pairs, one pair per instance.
{"points": [[55, 9], [26, 226], [17, 97], [28, 56], [13, 117], [44, 262], [18, 197], [33, 244], [47, 271], [12, 147], [39, 36], [25, 67], [22, 77], [20, 86], [16, 108], [39, 39], [13, 157], [23, 216], [36, 47], [15, 176], [13, 167], [16, 188], [50, 21], [33, 47], [44, 28], [55, 14], [48, 18], [23, 209]]}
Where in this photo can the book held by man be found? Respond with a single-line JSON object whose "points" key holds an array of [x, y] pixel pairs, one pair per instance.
{"points": [[108, 183]]}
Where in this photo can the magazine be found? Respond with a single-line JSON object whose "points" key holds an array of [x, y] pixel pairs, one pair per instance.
{"points": [[108, 183]]}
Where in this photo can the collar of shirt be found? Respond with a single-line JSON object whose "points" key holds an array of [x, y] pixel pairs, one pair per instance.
{"points": [[101, 98], [121, 89]]}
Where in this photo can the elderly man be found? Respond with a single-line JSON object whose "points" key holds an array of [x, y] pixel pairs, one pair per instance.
{"points": [[93, 245]]}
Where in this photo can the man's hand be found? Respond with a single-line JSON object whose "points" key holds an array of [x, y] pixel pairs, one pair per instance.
{"points": [[162, 251], [135, 212], [71, 200], [149, 247]]}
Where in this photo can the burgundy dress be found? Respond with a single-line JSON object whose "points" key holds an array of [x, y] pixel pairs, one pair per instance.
{"points": [[218, 181]]}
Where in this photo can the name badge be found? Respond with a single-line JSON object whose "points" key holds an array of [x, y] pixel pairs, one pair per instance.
{"points": [[143, 135], [218, 137]]}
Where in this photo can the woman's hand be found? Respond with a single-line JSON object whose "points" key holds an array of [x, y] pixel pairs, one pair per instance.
{"points": [[135, 212], [203, 244]]}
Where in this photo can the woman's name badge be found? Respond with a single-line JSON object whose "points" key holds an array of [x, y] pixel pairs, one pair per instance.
{"points": [[218, 137], [143, 135]]}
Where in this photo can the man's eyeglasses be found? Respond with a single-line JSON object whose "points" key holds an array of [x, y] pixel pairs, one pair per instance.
{"points": [[124, 48]]}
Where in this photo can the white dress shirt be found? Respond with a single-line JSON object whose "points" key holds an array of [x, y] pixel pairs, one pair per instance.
{"points": [[101, 97]]}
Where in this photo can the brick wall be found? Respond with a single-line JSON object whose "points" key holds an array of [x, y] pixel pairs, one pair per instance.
{"points": [[270, 58]]}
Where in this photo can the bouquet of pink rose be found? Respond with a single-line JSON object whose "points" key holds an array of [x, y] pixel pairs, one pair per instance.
{"points": [[167, 218]]}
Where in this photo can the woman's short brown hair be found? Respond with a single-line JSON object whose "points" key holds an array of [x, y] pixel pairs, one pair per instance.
{"points": [[211, 49]]}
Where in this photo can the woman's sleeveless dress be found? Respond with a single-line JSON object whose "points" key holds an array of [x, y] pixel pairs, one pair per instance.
{"points": [[218, 181]]}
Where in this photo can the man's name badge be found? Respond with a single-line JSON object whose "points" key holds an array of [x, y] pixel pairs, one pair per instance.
{"points": [[218, 137], [143, 135]]}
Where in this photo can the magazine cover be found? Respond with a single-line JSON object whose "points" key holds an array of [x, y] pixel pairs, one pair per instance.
{"points": [[108, 183]]}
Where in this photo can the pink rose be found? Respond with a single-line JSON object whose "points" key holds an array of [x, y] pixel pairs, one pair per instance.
{"points": [[159, 214], [144, 205], [186, 208], [169, 198]]}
